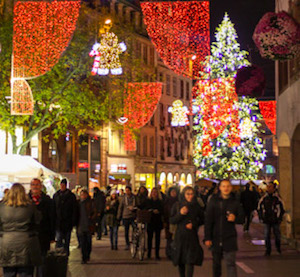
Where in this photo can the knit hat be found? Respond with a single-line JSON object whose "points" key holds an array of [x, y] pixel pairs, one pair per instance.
{"points": [[113, 192]]}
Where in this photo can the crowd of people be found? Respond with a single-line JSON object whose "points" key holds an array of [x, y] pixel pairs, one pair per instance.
{"points": [[29, 223]]}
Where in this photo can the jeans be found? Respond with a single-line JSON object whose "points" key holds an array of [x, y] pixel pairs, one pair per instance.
{"points": [[63, 241], [186, 270], [229, 257], [277, 234], [86, 245], [104, 225], [151, 231], [113, 231], [127, 222], [99, 226], [20, 271]]}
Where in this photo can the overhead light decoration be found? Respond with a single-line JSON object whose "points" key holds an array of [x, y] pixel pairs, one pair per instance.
{"points": [[180, 33], [140, 103], [107, 52], [268, 111], [122, 120], [41, 32], [179, 114]]}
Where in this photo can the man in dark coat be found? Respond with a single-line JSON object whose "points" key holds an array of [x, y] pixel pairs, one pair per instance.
{"points": [[249, 202], [99, 201], [222, 213], [66, 215], [45, 206], [271, 211]]}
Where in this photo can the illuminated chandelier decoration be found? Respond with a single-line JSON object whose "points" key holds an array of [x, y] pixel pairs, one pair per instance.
{"points": [[141, 100], [42, 31], [106, 55], [180, 32], [268, 111], [179, 114], [218, 104]]}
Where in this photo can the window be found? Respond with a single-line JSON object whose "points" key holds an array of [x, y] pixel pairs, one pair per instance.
{"points": [[169, 117], [145, 146], [176, 150], [174, 86], [138, 49], [152, 120], [145, 54], [161, 79], [161, 115], [168, 84], [187, 91], [162, 147], [181, 89], [152, 150], [152, 56]]}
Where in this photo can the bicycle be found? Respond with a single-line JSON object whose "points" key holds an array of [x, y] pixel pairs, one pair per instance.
{"points": [[138, 242]]}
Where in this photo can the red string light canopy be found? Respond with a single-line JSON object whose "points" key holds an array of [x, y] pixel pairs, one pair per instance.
{"points": [[42, 31], [219, 108], [180, 32], [268, 111], [141, 100]]}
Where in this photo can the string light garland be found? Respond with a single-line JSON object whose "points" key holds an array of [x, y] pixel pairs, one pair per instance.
{"points": [[106, 55], [179, 114], [180, 32], [140, 103], [42, 31], [268, 111], [22, 101]]}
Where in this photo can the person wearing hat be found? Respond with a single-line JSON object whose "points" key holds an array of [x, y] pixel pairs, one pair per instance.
{"points": [[112, 206]]}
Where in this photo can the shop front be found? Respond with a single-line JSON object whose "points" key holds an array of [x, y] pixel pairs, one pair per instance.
{"points": [[144, 173]]}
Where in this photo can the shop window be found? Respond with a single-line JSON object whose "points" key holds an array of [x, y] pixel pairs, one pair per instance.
{"points": [[189, 180], [183, 179], [170, 179]]}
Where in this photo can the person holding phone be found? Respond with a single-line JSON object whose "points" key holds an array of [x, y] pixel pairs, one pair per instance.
{"points": [[223, 213]]}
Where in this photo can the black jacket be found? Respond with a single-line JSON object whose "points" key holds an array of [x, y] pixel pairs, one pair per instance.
{"points": [[218, 229], [100, 200], [112, 212], [66, 210], [47, 225], [86, 217], [18, 237], [186, 246], [249, 200], [271, 209], [156, 219]]}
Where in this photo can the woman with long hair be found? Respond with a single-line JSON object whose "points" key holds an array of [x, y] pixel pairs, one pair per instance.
{"points": [[19, 219], [188, 215], [156, 224]]}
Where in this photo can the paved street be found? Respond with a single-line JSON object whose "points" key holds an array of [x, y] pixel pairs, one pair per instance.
{"points": [[251, 261]]}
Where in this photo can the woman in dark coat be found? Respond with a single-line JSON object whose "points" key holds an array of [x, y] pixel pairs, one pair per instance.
{"points": [[112, 206], [19, 219], [156, 224], [188, 216], [142, 199]]}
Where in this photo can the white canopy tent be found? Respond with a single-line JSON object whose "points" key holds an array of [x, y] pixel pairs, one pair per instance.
{"points": [[22, 169]]}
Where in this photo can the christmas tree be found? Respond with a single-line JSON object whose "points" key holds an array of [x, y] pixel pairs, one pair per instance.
{"points": [[224, 158], [226, 57]]}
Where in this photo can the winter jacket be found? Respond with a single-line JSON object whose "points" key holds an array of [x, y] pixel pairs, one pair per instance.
{"points": [[18, 236], [186, 246], [271, 209], [142, 201], [127, 202], [66, 210], [100, 200], [47, 225], [249, 200], [156, 222], [87, 215], [112, 212], [218, 229]]}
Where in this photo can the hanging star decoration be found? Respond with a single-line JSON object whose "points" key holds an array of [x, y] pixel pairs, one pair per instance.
{"points": [[179, 114]]}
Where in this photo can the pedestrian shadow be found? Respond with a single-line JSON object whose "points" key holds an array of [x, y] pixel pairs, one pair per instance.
{"points": [[118, 262]]}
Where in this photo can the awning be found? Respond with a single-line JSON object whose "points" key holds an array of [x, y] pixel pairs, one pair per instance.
{"points": [[117, 176]]}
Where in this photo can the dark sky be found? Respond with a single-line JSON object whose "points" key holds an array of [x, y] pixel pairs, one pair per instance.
{"points": [[245, 14]]}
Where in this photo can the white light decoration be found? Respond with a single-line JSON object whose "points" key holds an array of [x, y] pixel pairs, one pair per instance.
{"points": [[179, 114], [122, 120]]}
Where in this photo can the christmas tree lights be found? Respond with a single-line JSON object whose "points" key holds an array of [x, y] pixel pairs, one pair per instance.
{"points": [[107, 55], [42, 31], [179, 114], [140, 104], [180, 32], [268, 111]]}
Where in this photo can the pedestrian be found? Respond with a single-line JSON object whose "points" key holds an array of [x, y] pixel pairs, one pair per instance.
{"points": [[86, 224], [186, 249], [127, 213], [142, 200], [112, 206], [45, 206], [222, 214], [249, 203], [163, 195], [66, 215], [156, 224], [172, 198], [99, 200], [271, 211], [19, 221]]}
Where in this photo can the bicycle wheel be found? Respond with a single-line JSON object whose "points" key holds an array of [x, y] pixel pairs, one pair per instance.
{"points": [[134, 244], [142, 245]]}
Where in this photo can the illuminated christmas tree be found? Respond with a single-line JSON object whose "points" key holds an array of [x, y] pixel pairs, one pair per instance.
{"points": [[226, 57], [218, 156]]}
